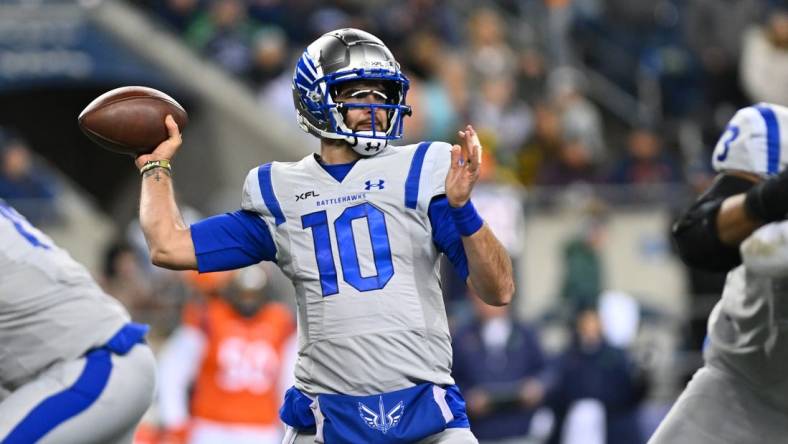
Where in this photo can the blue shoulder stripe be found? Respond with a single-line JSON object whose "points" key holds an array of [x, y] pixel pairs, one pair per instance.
{"points": [[267, 189], [772, 139], [414, 175]]}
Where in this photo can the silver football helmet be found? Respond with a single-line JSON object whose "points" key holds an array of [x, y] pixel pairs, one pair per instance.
{"points": [[348, 55]]}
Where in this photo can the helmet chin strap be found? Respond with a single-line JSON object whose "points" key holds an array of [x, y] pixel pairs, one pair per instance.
{"points": [[366, 146]]}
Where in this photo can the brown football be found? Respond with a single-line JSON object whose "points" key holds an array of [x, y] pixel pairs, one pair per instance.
{"points": [[130, 120]]}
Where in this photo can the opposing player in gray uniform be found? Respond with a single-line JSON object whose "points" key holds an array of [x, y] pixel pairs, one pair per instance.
{"points": [[359, 230], [740, 395], [74, 369]]}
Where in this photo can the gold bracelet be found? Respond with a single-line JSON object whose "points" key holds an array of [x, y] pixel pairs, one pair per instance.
{"points": [[151, 164]]}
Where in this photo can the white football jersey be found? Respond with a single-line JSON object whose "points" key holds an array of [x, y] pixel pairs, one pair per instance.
{"points": [[51, 309], [755, 141], [748, 328], [360, 254]]}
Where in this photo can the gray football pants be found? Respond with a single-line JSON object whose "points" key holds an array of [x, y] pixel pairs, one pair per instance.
{"points": [[448, 436], [111, 419], [716, 408]]}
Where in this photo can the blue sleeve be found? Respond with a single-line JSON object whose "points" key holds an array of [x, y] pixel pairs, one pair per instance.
{"points": [[445, 235], [232, 240]]}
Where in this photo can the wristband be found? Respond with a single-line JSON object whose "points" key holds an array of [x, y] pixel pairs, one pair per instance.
{"points": [[766, 201], [754, 206], [151, 164], [466, 219]]}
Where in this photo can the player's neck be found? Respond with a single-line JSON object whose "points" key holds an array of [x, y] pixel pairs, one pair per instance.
{"points": [[334, 152]]}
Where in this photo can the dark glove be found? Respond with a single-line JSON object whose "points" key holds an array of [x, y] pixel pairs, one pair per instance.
{"points": [[767, 201]]}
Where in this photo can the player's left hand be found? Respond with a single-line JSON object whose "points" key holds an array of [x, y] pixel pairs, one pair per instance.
{"points": [[466, 158]]}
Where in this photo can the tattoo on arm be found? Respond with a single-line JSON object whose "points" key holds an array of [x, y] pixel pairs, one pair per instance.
{"points": [[156, 173]]}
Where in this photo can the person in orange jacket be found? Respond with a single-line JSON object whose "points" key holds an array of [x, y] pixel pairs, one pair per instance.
{"points": [[224, 370]]}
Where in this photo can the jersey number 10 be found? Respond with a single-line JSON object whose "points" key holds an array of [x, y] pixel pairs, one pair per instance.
{"points": [[346, 244]]}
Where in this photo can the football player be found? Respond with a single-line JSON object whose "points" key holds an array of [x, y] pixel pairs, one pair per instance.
{"points": [[741, 392], [73, 367], [223, 370], [358, 228]]}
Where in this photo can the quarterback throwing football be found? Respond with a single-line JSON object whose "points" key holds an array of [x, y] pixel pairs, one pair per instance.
{"points": [[358, 229]]}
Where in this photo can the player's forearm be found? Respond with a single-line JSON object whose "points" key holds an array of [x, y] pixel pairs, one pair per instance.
{"points": [[161, 222], [734, 224], [708, 233], [489, 267]]}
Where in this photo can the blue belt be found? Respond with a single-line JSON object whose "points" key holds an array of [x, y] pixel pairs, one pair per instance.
{"points": [[126, 338], [407, 415], [62, 406]]}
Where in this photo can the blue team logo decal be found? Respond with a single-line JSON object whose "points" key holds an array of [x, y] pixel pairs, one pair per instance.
{"points": [[305, 79], [370, 185], [381, 420]]}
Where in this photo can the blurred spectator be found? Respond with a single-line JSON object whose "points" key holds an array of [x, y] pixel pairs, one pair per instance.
{"points": [[543, 145], [178, 13], [764, 61], [277, 13], [580, 119], [497, 362], [150, 299], [453, 75], [223, 372], [327, 17], [277, 97], [573, 163], [590, 380], [667, 72], [531, 75], [270, 56], [398, 21], [125, 279], [714, 29], [610, 38], [559, 20], [29, 187], [583, 277], [489, 54], [645, 161], [502, 116], [430, 67], [224, 34]]}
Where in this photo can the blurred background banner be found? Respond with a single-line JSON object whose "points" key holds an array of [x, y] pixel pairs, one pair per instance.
{"points": [[58, 46]]}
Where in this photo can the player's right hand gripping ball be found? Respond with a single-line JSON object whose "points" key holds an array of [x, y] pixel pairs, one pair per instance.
{"points": [[130, 120]]}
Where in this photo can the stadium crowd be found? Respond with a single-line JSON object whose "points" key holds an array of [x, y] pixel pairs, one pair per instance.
{"points": [[537, 77]]}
